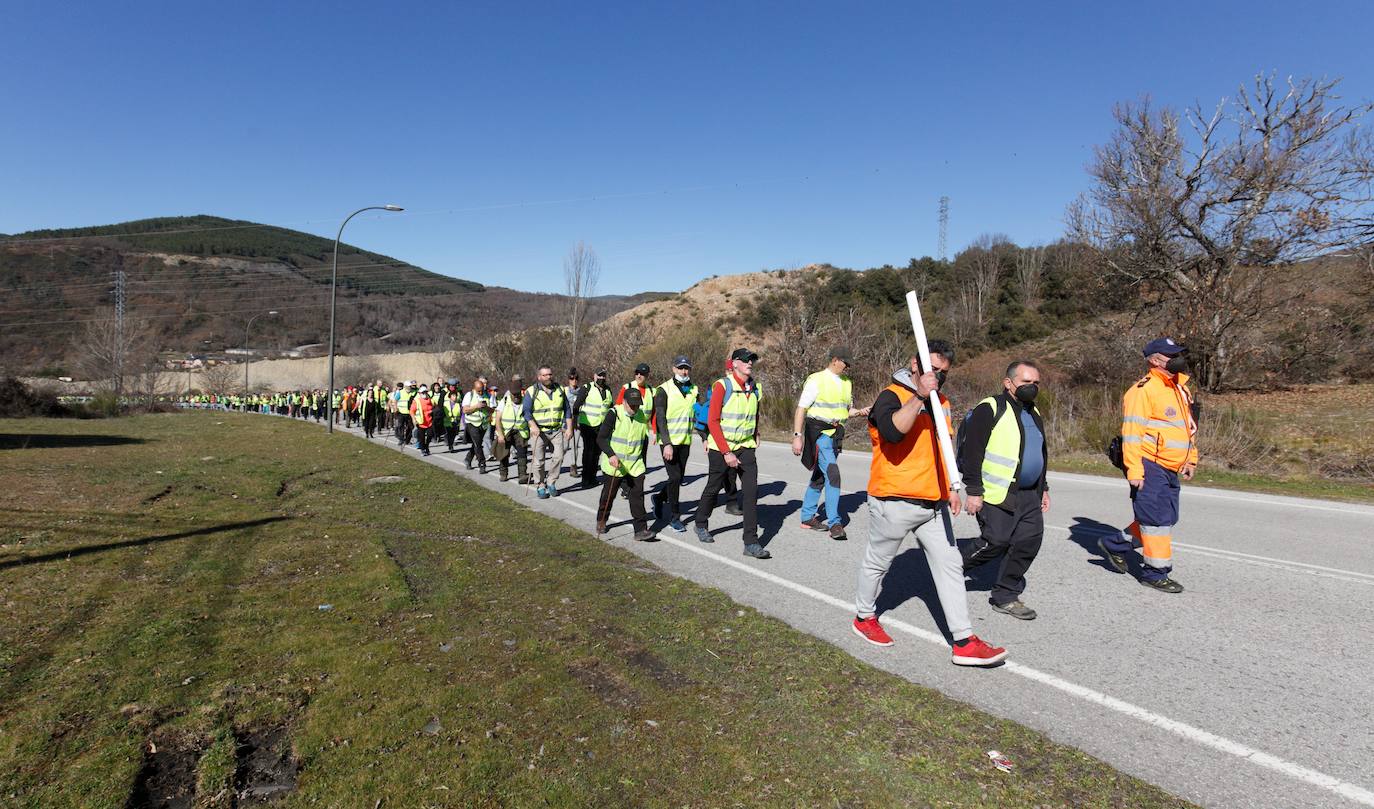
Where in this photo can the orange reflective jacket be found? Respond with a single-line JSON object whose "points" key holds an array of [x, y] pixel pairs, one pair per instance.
{"points": [[1157, 424], [915, 467], [422, 410]]}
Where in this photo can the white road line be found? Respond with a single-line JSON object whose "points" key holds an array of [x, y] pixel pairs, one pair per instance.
{"points": [[1193, 734]]}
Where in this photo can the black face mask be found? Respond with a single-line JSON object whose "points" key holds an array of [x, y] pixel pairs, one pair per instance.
{"points": [[1025, 394], [1176, 365], [940, 377]]}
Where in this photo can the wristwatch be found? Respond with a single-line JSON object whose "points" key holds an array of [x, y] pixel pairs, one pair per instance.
{"points": [[796, 435]]}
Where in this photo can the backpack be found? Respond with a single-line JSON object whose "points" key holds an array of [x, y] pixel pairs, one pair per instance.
{"points": [[1113, 452]]}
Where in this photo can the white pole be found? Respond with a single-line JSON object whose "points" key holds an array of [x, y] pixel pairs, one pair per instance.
{"points": [[937, 410]]}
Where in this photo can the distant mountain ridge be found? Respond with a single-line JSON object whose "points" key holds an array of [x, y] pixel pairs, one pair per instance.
{"points": [[195, 281]]}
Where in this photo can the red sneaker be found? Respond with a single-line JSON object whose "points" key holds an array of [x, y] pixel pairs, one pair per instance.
{"points": [[870, 630], [977, 653]]}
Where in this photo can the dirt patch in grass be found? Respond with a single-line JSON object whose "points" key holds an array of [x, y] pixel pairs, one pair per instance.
{"points": [[167, 778], [607, 684], [267, 769]]}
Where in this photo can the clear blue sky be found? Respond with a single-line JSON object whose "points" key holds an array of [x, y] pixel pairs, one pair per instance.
{"points": [[679, 140]]}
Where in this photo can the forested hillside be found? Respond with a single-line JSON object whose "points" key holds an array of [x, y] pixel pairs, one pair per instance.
{"points": [[192, 284]]}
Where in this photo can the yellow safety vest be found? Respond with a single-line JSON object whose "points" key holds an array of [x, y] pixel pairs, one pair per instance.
{"points": [[834, 397], [680, 412], [511, 416], [549, 408], [739, 416], [594, 409], [628, 442], [477, 418], [1000, 457]]}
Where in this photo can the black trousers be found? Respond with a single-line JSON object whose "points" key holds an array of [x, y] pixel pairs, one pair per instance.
{"points": [[635, 487], [422, 436], [1011, 531], [677, 470], [748, 490], [476, 437], [591, 454], [370, 424], [515, 448]]}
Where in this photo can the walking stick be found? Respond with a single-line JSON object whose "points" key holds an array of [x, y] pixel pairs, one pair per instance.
{"points": [[937, 410]]}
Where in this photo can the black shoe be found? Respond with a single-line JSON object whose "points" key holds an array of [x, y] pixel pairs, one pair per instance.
{"points": [[1015, 609], [734, 509], [704, 534], [646, 536], [1116, 560], [757, 551], [1164, 585]]}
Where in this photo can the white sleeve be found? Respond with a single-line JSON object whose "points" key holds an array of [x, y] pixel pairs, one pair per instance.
{"points": [[808, 394]]}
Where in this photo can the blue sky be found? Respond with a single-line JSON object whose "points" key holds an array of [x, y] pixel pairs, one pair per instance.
{"points": [[679, 140]]}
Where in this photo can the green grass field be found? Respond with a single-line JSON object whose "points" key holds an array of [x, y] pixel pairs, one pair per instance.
{"points": [[163, 581]]}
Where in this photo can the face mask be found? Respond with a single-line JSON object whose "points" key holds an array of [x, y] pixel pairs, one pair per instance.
{"points": [[1025, 394], [1177, 364], [682, 378], [940, 377]]}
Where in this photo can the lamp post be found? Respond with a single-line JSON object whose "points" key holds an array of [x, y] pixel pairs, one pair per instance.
{"points": [[248, 357], [333, 295]]}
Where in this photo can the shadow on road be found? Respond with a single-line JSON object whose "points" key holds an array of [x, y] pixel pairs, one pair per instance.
{"points": [[133, 543], [45, 441], [908, 578], [1085, 531]]}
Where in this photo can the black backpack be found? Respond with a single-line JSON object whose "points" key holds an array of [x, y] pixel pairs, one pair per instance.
{"points": [[999, 407]]}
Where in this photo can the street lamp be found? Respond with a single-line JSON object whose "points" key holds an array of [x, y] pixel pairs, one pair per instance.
{"points": [[248, 355], [333, 295]]}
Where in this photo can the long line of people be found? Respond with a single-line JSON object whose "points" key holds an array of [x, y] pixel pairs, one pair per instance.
{"points": [[1001, 473]]}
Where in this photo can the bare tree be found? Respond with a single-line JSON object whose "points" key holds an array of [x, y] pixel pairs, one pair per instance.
{"points": [[581, 273], [220, 379], [981, 266], [1030, 274], [1195, 218], [114, 356]]}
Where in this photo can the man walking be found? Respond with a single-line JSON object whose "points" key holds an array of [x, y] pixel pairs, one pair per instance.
{"points": [[674, 406], [549, 414], [621, 438], [733, 427], [422, 417], [512, 431], [593, 401], [477, 415], [827, 401], [909, 489], [1158, 449], [1004, 457]]}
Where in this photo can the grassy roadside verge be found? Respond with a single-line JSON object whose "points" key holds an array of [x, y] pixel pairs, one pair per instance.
{"points": [[1291, 486], [162, 578]]}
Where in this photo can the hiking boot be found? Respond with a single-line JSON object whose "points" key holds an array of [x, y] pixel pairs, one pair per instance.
{"points": [[870, 630], [837, 532], [734, 509], [542, 493], [524, 481], [646, 536], [1015, 609], [704, 534], [676, 525], [601, 526], [553, 490], [1164, 585], [815, 523], [482, 469], [1116, 560], [757, 551], [505, 476], [977, 653]]}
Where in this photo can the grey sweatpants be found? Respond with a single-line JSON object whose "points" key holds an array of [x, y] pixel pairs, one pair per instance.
{"points": [[889, 522]]}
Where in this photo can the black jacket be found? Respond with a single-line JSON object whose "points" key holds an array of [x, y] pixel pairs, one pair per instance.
{"points": [[975, 432]]}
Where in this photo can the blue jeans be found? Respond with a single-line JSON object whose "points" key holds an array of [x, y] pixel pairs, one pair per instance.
{"points": [[824, 478]]}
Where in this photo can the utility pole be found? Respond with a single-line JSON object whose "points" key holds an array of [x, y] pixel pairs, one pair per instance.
{"points": [[119, 334], [944, 228]]}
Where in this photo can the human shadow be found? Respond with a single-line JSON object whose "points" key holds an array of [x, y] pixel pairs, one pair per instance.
{"points": [[908, 578], [133, 543], [49, 441], [1086, 531]]}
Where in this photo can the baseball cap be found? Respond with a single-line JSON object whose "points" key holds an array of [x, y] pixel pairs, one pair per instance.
{"points": [[642, 368], [842, 353], [744, 355], [681, 361], [1165, 346], [600, 372], [633, 398]]}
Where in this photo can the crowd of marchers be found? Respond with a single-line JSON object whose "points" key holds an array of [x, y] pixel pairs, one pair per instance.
{"points": [[604, 435]]}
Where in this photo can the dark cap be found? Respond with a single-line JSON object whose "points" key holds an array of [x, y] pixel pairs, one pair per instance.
{"points": [[572, 373], [743, 355], [1165, 346], [642, 368], [842, 353], [681, 361], [633, 398], [600, 372]]}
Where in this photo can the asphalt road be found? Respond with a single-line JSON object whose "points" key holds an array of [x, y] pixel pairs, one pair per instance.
{"points": [[1253, 688]]}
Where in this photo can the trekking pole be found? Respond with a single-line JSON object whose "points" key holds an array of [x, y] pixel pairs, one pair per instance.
{"points": [[937, 410]]}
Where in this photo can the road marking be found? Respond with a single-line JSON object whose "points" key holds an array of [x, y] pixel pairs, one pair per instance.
{"points": [[1194, 491], [1189, 732]]}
